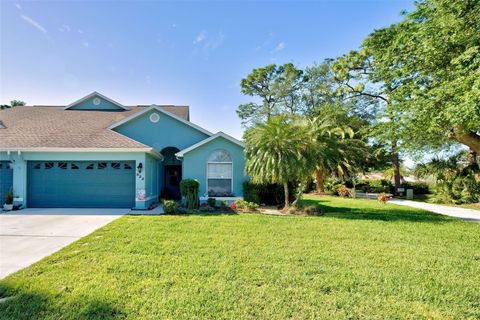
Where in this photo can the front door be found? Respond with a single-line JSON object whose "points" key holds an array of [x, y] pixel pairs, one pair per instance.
{"points": [[173, 176]]}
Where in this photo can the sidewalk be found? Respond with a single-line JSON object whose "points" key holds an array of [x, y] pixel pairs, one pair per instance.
{"points": [[462, 213]]}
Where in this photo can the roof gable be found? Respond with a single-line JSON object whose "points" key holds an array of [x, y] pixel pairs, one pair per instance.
{"points": [[172, 115], [96, 101], [159, 129], [209, 139]]}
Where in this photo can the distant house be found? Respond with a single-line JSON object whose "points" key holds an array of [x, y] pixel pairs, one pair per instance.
{"points": [[97, 153]]}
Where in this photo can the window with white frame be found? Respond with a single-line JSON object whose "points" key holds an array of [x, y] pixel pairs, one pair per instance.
{"points": [[219, 174]]}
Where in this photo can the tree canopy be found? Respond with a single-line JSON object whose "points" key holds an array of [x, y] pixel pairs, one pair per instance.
{"points": [[13, 103], [436, 56]]}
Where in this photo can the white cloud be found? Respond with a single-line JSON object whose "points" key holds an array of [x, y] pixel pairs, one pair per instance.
{"points": [[85, 44], [205, 44], [19, 7], [201, 37], [214, 43], [34, 23], [280, 46], [65, 28]]}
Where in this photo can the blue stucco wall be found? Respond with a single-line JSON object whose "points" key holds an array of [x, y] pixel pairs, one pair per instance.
{"points": [[167, 132], [195, 164], [88, 105]]}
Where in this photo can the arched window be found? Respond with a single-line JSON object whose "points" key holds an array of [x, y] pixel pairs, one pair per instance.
{"points": [[219, 174]]}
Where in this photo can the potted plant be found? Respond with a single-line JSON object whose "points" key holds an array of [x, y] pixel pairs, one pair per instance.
{"points": [[8, 206]]}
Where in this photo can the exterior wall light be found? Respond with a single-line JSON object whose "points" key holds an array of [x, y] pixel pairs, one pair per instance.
{"points": [[140, 167]]}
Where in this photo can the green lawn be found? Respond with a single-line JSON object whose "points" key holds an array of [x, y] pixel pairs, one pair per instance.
{"points": [[362, 260]]}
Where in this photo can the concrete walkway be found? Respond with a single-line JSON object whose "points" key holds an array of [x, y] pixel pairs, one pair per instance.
{"points": [[29, 235], [462, 213]]}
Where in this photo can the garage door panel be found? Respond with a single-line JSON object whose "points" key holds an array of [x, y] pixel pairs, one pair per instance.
{"points": [[81, 184]]}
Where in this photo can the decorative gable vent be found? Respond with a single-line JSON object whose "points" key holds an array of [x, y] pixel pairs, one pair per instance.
{"points": [[154, 117]]}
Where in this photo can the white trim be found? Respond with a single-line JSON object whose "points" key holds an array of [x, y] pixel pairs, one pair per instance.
{"points": [[56, 149], [93, 94], [174, 116], [213, 137], [220, 198]]}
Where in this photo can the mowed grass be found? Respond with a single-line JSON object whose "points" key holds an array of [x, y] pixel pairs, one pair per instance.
{"points": [[362, 260]]}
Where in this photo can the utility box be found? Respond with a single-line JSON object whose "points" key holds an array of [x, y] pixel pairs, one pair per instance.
{"points": [[409, 194]]}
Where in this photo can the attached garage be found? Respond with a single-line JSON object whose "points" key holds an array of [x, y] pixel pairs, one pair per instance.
{"points": [[6, 180], [81, 184]]}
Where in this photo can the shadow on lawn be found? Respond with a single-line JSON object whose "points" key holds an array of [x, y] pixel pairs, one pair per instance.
{"points": [[204, 214], [29, 304], [382, 213]]}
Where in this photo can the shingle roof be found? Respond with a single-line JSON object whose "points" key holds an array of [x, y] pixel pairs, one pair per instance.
{"points": [[54, 127]]}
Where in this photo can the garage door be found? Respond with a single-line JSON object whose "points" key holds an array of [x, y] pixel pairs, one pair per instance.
{"points": [[6, 180], [81, 184]]}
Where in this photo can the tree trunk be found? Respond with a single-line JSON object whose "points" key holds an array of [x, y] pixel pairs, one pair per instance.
{"points": [[320, 177], [472, 157], [394, 141], [470, 139], [301, 189], [396, 171], [287, 201]]}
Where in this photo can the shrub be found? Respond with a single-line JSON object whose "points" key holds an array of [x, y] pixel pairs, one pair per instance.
{"points": [[212, 202], [245, 205], [240, 204], [251, 191], [331, 186], [382, 198], [418, 187], [223, 204], [9, 197], [181, 210], [458, 190], [343, 191], [269, 194], [232, 206], [251, 205], [206, 209], [170, 206], [189, 189], [374, 185]]}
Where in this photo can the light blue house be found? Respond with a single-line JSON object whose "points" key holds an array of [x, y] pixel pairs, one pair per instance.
{"points": [[97, 153]]}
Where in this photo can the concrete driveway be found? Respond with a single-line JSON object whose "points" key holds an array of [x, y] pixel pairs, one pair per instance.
{"points": [[29, 235], [462, 213]]}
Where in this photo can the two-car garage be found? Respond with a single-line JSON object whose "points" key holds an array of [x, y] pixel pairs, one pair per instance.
{"points": [[81, 184]]}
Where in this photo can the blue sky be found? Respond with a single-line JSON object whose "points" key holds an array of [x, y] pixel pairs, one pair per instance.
{"points": [[192, 53]]}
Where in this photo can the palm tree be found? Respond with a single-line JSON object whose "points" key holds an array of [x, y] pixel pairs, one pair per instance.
{"points": [[289, 149], [336, 152], [458, 180], [276, 152]]}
